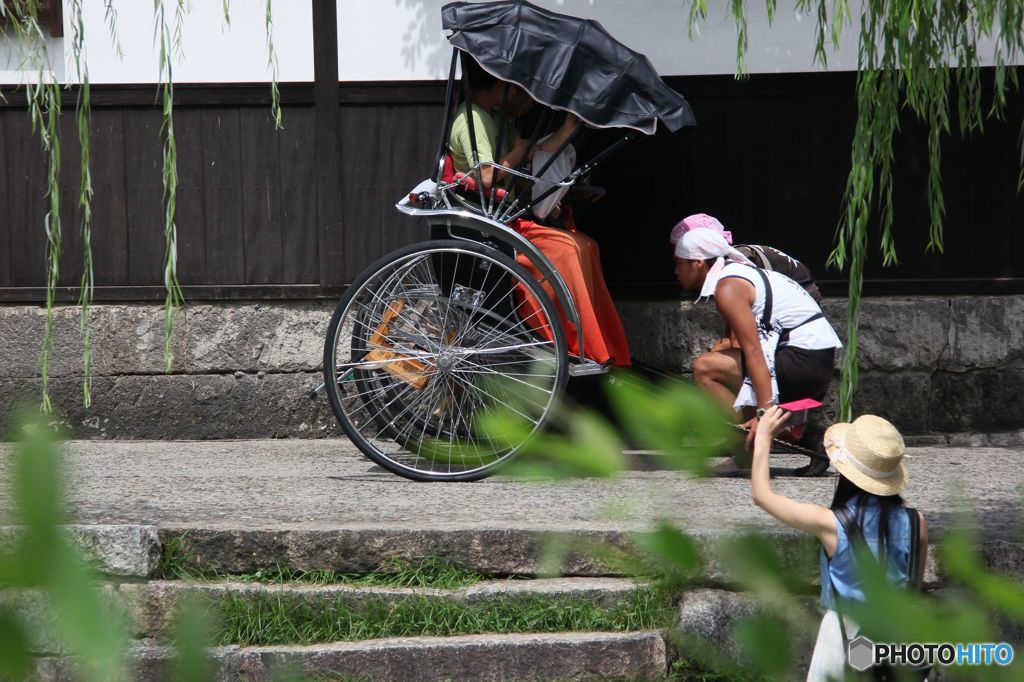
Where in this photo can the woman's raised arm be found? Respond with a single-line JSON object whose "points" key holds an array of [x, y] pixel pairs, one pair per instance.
{"points": [[811, 518]]}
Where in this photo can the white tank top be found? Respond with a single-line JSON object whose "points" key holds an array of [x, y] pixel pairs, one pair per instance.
{"points": [[792, 306]]}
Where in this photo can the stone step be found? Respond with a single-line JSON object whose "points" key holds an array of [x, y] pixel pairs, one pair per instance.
{"points": [[152, 605], [492, 551], [571, 656], [117, 550], [134, 551], [508, 551]]}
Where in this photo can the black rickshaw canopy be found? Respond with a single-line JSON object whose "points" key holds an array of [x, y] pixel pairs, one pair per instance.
{"points": [[566, 63]]}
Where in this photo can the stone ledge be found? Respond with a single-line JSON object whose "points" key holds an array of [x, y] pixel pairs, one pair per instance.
{"points": [[129, 551], [572, 656], [929, 364], [982, 400], [494, 552], [225, 406], [986, 332], [895, 334], [707, 618], [129, 339], [184, 406]]}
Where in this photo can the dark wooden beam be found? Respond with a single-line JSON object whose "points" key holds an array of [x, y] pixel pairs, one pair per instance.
{"points": [[328, 141], [145, 95], [193, 294]]}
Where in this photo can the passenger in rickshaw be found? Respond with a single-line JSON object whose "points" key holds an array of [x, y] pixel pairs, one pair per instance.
{"points": [[574, 255]]}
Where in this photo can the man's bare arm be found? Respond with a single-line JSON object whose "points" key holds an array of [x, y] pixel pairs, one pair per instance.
{"points": [[734, 297]]}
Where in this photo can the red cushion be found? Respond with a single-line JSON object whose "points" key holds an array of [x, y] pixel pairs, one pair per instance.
{"points": [[448, 176]]}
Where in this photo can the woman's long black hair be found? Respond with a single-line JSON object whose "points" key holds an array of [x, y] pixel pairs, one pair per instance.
{"points": [[887, 505]]}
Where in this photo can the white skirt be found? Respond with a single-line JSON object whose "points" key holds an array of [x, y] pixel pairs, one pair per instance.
{"points": [[828, 662]]}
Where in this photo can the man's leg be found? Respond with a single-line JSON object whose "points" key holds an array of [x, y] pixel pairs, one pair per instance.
{"points": [[807, 374], [720, 373]]}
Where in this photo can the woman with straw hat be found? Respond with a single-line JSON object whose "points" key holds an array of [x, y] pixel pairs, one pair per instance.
{"points": [[866, 507]]}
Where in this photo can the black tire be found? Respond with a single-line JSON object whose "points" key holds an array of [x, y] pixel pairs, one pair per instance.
{"points": [[424, 341]]}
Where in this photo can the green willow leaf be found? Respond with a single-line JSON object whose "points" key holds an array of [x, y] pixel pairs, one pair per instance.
{"points": [[110, 18], [739, 14], [765, 640], [44, 102], [698, 13], [906, 51], [275, 93], [83, 121], [170, 48], [192, 638], [675, 550]]}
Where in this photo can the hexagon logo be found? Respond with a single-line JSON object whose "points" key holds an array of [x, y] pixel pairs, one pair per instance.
{"points": [[861, 653]]}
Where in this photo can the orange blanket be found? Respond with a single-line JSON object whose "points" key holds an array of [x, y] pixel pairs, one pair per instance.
{"points": [[577, 258]]}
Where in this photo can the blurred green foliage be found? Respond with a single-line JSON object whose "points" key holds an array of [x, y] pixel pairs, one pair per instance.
{"points": [[676, 420], [687, 427], [39, 557]]}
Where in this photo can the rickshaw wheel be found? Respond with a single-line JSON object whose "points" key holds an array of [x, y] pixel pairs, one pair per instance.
{"points": [[430, 339]]}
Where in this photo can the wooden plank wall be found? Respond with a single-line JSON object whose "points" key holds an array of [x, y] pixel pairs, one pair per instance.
{"points": [[769, 158], [245, 210]]}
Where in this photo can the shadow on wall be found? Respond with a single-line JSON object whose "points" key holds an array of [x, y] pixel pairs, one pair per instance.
{"points": [[11, 57], [423, 41]]}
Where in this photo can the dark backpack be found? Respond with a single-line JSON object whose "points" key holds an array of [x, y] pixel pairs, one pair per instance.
{"points": [[768, 258]]}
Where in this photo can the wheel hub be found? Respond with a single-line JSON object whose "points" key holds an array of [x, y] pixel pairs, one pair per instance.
{"points": [[445, 362]]}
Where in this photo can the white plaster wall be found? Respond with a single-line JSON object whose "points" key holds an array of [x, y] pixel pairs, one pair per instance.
{"points": [[402, 40], [212, 51], [405, 39]]}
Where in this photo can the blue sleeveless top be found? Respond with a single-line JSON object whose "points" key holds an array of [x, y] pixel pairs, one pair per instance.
{"points": [[841, 568]]}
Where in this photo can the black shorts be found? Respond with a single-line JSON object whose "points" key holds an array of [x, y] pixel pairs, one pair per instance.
{"points": [[800, 373], [803, 373]]}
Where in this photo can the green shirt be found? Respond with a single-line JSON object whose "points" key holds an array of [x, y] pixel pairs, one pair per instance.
{"points": [[486, 129]]}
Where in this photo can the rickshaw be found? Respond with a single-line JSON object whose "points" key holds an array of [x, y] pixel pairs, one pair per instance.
{"points": [[431, 339]]}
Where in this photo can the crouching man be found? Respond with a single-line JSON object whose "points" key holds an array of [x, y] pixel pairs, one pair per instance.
{"points": [[786, 346]]}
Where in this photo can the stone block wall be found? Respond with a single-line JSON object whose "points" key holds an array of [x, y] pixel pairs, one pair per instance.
{"points": [[239, 370], [928, 364], [242, 370]]}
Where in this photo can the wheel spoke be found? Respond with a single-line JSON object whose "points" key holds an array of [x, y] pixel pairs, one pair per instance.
{"points": [[447, 341]]}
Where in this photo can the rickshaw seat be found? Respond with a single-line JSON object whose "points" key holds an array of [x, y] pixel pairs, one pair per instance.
{"points": [[467, 182]]}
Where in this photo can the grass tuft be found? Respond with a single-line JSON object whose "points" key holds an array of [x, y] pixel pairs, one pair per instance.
{"points": [[431, 572], [278, 619]]}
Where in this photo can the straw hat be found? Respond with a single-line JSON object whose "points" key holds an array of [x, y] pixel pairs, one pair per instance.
{"points": [[869, 452]]}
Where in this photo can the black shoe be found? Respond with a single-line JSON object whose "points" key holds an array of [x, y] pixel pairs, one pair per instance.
{"points": [[817, 467]]}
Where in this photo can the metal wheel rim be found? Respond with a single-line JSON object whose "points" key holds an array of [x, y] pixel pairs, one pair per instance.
{"points": [[475, 356]]}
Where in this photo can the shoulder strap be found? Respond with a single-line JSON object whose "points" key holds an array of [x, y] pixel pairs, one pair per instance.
{"points": [[784, 336], [766, 316], [763, 262], [914, 560], [849, 523]]}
